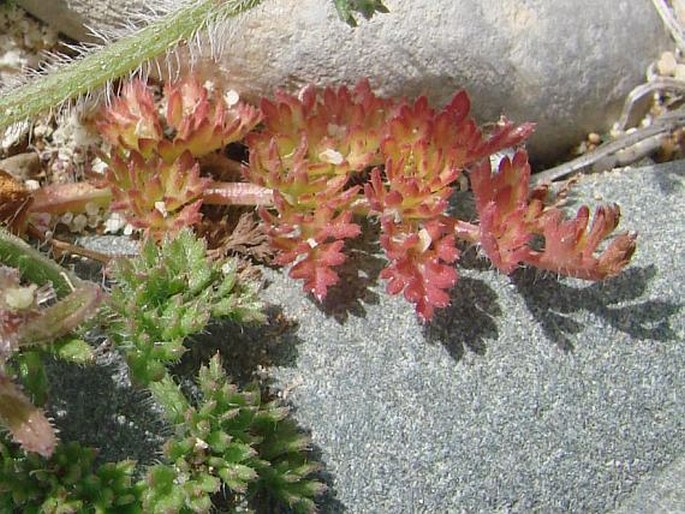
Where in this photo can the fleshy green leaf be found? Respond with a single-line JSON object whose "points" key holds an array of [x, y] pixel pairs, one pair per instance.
{"points": [[366, 8]]}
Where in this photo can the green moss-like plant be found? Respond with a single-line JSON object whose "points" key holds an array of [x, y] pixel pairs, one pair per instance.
{"points": [[229, 449], [168, 293], [232, 442], [68, 482]]}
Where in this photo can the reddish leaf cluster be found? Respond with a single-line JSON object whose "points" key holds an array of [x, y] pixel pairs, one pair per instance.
{"points": [[331, 155], [314, 151], [511, 217], [155, 178], [307, 152], [425, 153]]}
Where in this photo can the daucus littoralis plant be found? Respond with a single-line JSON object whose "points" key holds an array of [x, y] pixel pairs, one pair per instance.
{"points": [[228, 443], [231, 440], [168, 293]]}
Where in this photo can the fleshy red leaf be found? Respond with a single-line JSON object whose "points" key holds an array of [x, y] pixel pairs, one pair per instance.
{"points": [[571, 244], [511, 216], [131, 121], [421, 263], [316, 268]]}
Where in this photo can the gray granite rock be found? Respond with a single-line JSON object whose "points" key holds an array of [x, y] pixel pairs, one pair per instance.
{"points": [[529, 394], [565, 64]]}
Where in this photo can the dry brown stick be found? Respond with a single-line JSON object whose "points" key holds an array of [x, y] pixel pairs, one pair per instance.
{"points": [[662, 126]]}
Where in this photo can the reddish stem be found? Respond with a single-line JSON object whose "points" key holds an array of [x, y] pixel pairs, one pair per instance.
{"points": [[72, 197]]}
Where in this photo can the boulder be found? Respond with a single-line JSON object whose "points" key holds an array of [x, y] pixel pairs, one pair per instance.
{"points": [[565, 64]]}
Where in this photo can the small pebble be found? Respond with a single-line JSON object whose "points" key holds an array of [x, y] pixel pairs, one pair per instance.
{"points": [[14, 134], [680, 72], [80, 222], [32, 185], [594, 138], [666, 65], [66, 218], [92, 209], [22, 166], [114, 223]]}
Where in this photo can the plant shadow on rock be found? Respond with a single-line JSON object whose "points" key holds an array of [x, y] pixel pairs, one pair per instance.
{"points": [[552, 303], [97, 406], [469, 320], [245, 350], [671, 180], [358, 274]]}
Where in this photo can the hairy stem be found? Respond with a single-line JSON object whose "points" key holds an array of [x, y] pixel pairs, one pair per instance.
{"points": [[34, 266], [111, 61]]}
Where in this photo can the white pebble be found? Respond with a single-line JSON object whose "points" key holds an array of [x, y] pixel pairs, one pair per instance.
{"points": [[79, 223], [114, 223], [66, 218], [666, 65], [92, 209], [231, 97]]}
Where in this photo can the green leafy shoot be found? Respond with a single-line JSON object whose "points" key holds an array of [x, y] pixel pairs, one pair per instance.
{"points": [[367, 8], [39, 303], [68, 482], [169, 293], [229, 441]]}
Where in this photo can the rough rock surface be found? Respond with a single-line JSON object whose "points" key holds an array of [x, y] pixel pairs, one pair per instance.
{"points": [[528, 394], [566, 64]]}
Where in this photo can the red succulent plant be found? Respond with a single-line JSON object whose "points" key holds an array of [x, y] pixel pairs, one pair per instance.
{"points": [[308, 151], [511, 217], [327, 157], [152, 170], [313, 151]]}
